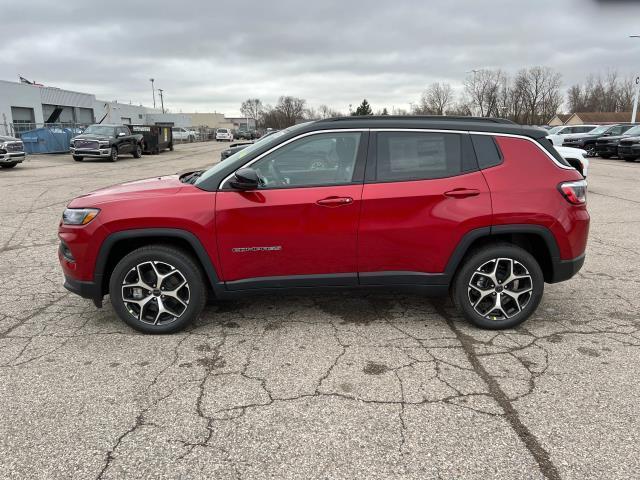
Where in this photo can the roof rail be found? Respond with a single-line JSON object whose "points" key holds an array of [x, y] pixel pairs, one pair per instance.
{"points": [[440, 118]]}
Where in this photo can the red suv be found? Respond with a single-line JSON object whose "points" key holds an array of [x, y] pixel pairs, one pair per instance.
{"points": [[483, 209]]}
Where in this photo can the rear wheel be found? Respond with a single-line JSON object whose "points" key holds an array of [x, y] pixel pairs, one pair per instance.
{"points": [[606, 156], [9, 165], [114, 154], [77, 158], [498, 286], [138, 151], [157, 289], [629, 159]]}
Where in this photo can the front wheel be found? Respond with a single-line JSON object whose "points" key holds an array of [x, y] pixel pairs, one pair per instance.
{"points": [[114, 154], [9, 165], [498, 286], [157, 289]]}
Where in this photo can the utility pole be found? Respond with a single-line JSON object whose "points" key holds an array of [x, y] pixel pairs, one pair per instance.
{"points": [[161, 99], [635, 101], [153, 91]]}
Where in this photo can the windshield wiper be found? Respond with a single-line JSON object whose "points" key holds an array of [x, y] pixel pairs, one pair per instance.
{"points": [[191, 177]]}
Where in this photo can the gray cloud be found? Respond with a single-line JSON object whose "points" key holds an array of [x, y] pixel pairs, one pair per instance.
{"points": [[212, 55]]}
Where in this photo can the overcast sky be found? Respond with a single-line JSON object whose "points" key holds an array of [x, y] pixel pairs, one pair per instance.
{"points": [[211, 55]]}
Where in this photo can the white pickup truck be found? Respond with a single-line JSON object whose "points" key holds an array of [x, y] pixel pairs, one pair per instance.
{"points": [[11, 151]]}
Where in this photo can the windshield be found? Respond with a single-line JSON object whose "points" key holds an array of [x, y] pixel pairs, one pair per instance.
{"points": [[633, 131], [100, 130], [264, 141], [555, 129], [222, 130], [600, 129]]}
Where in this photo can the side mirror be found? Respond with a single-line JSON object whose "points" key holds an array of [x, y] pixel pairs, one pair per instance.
{"points": [[121, 134], [245, 179]]}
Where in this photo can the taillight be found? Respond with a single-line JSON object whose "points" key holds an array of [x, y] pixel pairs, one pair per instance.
{"points": [[574, 192]]}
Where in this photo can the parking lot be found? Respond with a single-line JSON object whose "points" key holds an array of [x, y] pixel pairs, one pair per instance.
{"points": [[349, 385]]}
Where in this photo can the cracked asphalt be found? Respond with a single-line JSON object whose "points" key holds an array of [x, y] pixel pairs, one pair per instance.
{"points": [[350, 385]]}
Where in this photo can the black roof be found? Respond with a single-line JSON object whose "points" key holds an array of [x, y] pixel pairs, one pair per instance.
{"points": [[478, 124]]}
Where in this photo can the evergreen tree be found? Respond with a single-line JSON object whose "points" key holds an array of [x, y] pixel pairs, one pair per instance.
{"points": [[364, 109]]}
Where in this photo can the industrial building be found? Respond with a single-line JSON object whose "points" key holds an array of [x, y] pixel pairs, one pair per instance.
{"points": [[24, 107]]}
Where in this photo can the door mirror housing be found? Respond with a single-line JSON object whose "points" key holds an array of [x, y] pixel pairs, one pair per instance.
{"points": [[245, 179], [121, 134]]}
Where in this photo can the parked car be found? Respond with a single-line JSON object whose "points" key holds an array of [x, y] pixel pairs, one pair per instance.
{"points": [[629, 148], [244, 135], [224, 134], [11, 151], [607, 147], [576, 157], [587, 141], [182, 134], [483, 209], [233, 148], [106, 141], [558, 134]]}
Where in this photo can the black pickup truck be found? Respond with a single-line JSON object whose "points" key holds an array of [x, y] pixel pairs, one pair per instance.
{"points": [[106, 141]]}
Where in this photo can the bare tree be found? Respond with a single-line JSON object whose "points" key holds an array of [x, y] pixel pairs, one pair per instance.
{"points": [[598, 94], [483, 89], [435, 100], [286, 113], [252, 108]]}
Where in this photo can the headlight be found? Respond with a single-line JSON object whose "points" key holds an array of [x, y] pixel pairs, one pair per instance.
{"points": [[79, 216]]}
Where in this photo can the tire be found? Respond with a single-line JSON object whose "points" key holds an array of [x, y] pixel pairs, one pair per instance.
{"points": [[478, 310], [114, 154], [629, 159], [77, 158], [8, 165], [171, 147], [181, 308], [138, 152], [605, 156]]}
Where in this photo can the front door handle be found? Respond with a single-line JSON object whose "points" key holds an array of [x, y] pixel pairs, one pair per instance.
{"points": [[335, 201], [462, 193]]}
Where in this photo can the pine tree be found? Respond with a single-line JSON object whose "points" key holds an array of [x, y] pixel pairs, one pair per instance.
{"points": [[364, 109]]}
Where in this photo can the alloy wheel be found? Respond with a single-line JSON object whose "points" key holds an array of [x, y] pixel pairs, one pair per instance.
{"points": [[500, 289], [155, 292]]}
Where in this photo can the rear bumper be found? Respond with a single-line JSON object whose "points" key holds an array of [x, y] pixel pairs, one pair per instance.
{"points": [[565, 269], [12, 157]]}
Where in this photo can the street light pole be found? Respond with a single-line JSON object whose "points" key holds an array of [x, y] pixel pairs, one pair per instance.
{"points": [[161, 99], [635, 101], [153, 91]]}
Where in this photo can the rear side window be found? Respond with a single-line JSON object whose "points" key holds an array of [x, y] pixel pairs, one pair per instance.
{"points": [[487, 151], [417, 156]]}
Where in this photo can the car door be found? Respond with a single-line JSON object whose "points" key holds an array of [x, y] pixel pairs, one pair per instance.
{"points": [[299, 228], [124, 140], [423, 192]]}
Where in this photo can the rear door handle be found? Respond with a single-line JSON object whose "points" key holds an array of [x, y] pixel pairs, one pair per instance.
{"points": [[462, 193], [335, 201]]}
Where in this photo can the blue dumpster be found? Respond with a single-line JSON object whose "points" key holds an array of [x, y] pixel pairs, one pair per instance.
{"points": [[47, 140]]}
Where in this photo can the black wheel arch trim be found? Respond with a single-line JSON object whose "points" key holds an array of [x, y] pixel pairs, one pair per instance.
{"points": [[543, 232], [193, 240]]}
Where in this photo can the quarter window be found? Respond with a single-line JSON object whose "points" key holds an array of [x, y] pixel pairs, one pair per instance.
{"points": [[417, 155], [316, 160]]}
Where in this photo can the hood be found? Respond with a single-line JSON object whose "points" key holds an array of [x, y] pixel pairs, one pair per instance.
{"points": [[569, 151], [150, 187], [611, 138], [576, 136], [634, 139], [4, 138]]}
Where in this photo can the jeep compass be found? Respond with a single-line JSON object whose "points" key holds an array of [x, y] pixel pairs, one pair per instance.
{"points": [[482, 209]]}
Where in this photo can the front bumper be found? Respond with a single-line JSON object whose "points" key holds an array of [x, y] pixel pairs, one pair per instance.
{"points": [[96, 153], [607, 149], [12, 157], [85, 289], [629, 150]]}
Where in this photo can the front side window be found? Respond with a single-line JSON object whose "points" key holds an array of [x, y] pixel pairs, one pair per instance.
{"points": [[417, 155], [316, 160]]}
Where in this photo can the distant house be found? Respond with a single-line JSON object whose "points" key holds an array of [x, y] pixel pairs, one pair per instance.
{"points": [[596, 118], [559, 119]]}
